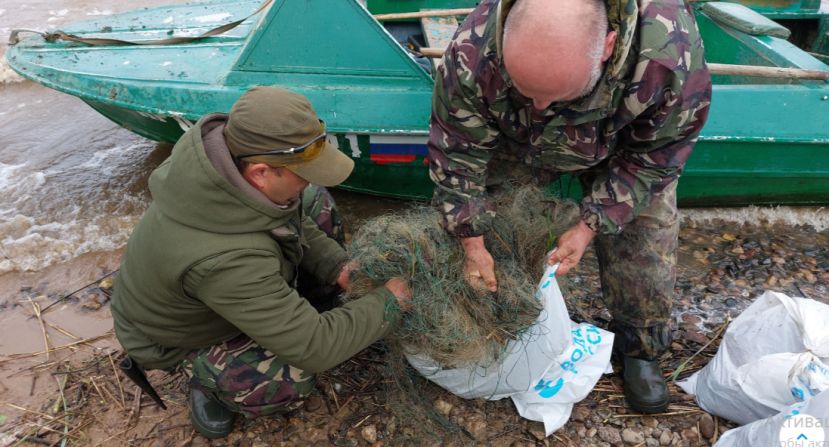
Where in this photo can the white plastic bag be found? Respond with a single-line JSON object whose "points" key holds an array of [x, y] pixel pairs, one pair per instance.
{"points": [[770, 431], [523, 362], [570, 379], [554, 364], [773, 355]]}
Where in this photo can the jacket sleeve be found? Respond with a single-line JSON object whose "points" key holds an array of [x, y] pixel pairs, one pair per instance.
{"points": [[245, 288], [666, 106], [461, 140], [323, 256]]}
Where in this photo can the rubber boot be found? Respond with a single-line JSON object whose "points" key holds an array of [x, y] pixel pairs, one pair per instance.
{"points": [[645, 387], [209, 417]]}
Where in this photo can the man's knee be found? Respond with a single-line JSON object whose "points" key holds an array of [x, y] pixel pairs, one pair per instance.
{"points": [[248, 379]]}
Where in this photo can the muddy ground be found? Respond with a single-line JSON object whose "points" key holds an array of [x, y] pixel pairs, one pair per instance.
{"points": [[75, 394]]}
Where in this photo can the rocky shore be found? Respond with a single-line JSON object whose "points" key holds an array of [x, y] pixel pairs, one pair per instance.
{"points": [[723, 266]]}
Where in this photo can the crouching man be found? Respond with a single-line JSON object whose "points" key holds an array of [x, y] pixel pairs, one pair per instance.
{"points": [[209, 279]]}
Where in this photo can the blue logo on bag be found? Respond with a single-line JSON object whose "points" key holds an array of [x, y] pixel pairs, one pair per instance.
{"points": [[584, 343], [548, 391]]}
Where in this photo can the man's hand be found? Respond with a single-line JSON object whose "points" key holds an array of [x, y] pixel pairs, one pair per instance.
{"points": [[399, 287], [571, 246], [344, 278], [479, 268]]}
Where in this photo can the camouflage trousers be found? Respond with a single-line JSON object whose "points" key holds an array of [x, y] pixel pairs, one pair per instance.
{"points": [[637, 268], [247, 378], [244, 376]]}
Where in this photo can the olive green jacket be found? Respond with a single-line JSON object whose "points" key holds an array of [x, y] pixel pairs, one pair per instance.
{"points": [[212, 258]]}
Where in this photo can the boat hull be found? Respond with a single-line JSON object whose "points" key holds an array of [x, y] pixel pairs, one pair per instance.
{"points": [[766, 141]]}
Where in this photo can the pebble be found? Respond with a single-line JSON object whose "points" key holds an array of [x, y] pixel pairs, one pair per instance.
{"points": [[106, 283], [610, 434], [92, 302], [631, 436], [477, 428], [650, 442], [369, 433], [665, 438], [592, 432], [443, 407], [580, 414], [690, 434], [313, 403], [651, 422], [706, 426]]}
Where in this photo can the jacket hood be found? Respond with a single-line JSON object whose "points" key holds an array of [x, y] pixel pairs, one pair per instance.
{"points": [[199, 186], [623, 16]]}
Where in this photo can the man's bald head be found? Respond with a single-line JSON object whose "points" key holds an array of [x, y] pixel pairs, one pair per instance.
{"points": [[554, 49]]}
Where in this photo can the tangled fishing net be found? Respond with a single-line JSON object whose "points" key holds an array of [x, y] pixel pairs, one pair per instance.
{"points": [[450, 321]]}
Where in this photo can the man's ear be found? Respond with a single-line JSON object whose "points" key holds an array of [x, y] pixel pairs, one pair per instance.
{"points": [[255, 174], [609, 44]]}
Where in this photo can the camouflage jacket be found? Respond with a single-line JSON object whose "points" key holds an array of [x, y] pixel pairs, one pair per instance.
{"points": [[634, 131]]}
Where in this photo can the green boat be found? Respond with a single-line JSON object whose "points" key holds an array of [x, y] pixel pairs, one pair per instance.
{"points": [[766, 141]]}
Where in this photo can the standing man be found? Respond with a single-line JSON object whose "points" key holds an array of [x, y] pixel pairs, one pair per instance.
{"points": [[615, 92], [209, 279]]}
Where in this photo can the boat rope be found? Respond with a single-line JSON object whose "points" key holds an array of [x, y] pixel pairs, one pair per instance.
{"points": [[101, 41]]}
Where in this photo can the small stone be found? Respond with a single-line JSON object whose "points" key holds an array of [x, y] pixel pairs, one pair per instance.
{"points": [[106, 283], [809, 276], [443, 407], [610, 434], [696, 337], [778, 260], [92, 302], [369, 433], [234, 438], [580, 414], [741, 283], [737, 250], [690, 434], [313, 403], [650, 442], [731, 302], [477, 428], [665, 438], [592, 432], [729, 236], [706, 426], [650, 422], [631, 436]]}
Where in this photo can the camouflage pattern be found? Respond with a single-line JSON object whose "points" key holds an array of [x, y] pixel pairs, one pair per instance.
{"points": [[639, 124], [637, 269], [318, 204], [247, 378]]}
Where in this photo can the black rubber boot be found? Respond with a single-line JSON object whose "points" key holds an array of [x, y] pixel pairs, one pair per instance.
{"points": [[209, 417], [645, 388]]}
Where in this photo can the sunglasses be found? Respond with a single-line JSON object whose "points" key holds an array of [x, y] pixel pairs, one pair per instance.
{"points": [[299, 154]]}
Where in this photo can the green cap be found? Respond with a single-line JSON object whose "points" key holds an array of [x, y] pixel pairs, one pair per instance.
{"points": [[267, 119]]}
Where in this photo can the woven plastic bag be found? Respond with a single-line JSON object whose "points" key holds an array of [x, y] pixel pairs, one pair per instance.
{"points": [[554, 364], [773, 355]]}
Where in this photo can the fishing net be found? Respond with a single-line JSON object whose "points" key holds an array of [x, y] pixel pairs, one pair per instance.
{"points": [[450, 321]]}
